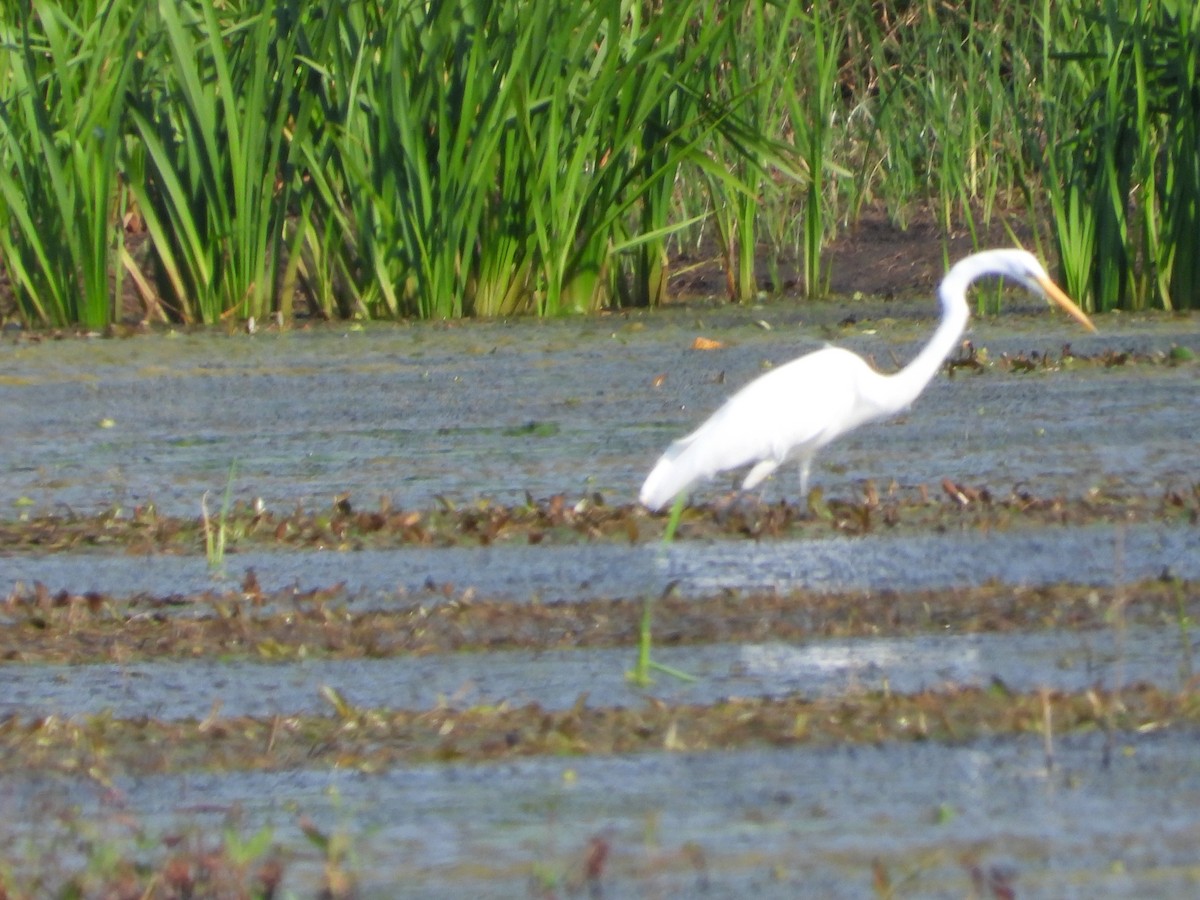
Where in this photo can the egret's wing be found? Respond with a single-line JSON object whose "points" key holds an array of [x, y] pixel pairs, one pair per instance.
{"points": [[776, 416]]}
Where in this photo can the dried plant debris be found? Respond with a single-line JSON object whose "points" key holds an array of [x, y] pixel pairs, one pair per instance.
{"points": [[41, 626], [373, 740], [557, 520], [973, 359]]}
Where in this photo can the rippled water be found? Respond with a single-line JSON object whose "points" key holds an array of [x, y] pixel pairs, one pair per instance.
{"points": [[419, 412], [1106, 819], [1069, 661]]}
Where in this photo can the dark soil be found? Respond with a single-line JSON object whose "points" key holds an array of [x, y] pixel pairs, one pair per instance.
{"points": [[874, 257]]}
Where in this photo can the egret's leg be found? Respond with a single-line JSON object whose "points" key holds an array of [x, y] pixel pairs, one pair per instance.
{"points": [[761, 470], [805, 468]]}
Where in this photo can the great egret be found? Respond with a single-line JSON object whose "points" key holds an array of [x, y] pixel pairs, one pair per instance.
{"points": [[793, 411]]}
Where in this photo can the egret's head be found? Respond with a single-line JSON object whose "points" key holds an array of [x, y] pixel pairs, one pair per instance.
{"points": [[1022, 266]]}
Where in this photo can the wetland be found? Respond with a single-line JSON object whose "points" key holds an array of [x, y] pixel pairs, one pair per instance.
{"points": [[964, 666]]}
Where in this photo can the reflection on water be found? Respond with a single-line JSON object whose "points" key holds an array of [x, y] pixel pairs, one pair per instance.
{"points": [[1068, 661], [1098, 555], [417, 413], [768, 822]]}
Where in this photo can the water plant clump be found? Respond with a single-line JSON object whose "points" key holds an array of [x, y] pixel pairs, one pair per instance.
{"points": [[292, 625], [370, 740], [205, 162], [950, 505]]}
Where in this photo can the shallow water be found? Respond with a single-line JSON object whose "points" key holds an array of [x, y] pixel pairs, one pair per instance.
{"points": [[424, 411], [1095, 555], [1112, 816], [188, 689], [416, 412]]}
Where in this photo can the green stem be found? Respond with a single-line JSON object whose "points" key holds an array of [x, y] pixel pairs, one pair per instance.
{"points": [[640, 675]]}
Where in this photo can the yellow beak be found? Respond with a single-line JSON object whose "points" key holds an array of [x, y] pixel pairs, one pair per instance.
{"points": [[1055, 293]]}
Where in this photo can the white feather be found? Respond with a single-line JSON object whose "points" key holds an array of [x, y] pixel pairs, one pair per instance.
{"points": [[791, 412]]}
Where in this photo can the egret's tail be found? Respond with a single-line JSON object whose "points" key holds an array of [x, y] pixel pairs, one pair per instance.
{"points": [[672, 474]]}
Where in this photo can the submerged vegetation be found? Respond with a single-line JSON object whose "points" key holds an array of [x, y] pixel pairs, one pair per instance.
{"points": [[125, 859], [371, 740], [559, 521], [197, 161], [244, 622]]}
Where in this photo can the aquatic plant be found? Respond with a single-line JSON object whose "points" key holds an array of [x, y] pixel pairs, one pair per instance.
{"points": [[63, 77], [1120, 148], [197, 161], [215, 533]]}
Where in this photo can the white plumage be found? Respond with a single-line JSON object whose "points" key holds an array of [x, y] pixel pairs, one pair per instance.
{"points": [[791, 412]]}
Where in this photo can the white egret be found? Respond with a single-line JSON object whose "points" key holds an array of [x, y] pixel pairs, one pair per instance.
{"points": [[793, 411]]}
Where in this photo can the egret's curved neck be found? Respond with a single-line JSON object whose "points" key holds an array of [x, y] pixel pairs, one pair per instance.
{"points": [[911, 380]]}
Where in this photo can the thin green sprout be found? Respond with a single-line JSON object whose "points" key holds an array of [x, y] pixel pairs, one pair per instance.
{"points": [[640, 675]]}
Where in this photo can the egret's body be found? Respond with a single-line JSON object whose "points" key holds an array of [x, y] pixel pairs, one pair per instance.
{"points": [[793, 411]]}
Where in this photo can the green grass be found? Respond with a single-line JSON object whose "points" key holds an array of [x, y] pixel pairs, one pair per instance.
{"points": [[481, 158], [643, 665], [64, 75], [216, 533], [215, 111]]}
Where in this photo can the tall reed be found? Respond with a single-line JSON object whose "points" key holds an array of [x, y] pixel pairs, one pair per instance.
{"points": [[211, 111], [1121, 150], [813, 111], [948, 90], [488, 158], [63, 78], [755, 42], [494, 158]]}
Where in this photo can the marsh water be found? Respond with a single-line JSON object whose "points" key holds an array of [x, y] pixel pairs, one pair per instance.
{"points": [[554, 680], [498, 410], [434, 414]]}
